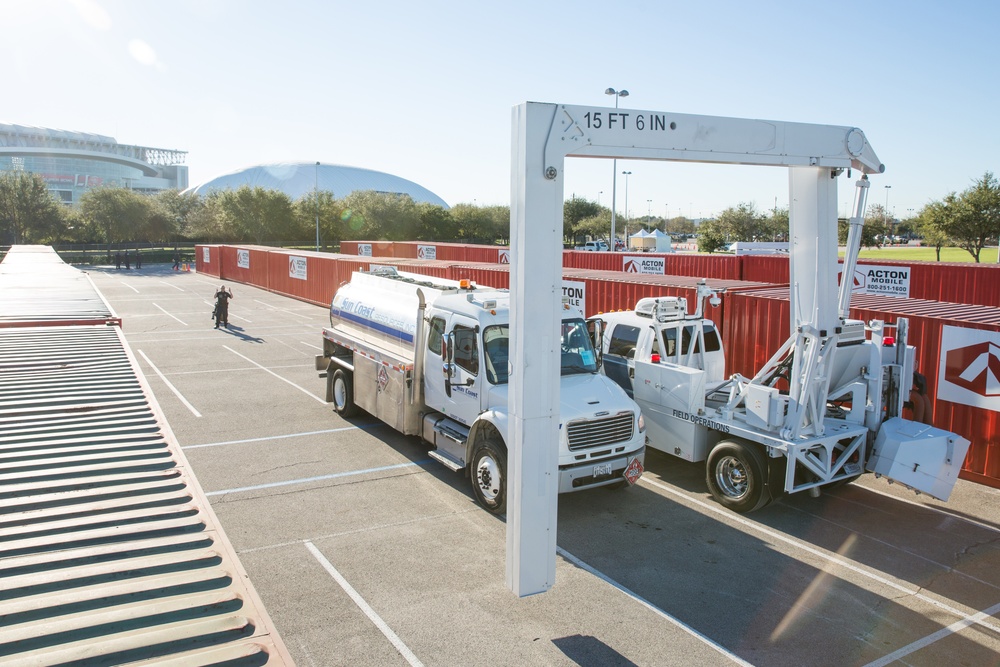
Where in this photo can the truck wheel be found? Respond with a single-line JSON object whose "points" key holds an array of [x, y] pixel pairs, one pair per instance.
{"points": [[737, 476], [343, 393], [489, 476]]}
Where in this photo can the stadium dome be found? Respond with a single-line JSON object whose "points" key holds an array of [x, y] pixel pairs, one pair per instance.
{"points": [[300, 178]]}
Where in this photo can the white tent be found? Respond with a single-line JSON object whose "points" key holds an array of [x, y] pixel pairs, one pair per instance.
{"points": [[661, 241], [641, 240]]}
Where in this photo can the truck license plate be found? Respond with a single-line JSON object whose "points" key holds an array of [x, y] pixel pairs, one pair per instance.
{"points": [[602, 470]]}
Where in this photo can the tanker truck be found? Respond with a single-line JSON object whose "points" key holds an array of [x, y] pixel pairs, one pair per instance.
{"points": [[429, 357]]}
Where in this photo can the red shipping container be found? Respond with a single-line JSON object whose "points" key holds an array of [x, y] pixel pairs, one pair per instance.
{"points": [[208, 259], [245, 264], [378, 248], [758, 323], [487, 275], [720, 267], [304, 274]]}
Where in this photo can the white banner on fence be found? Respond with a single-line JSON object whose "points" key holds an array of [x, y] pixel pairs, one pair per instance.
{"points": [[206, 255], [242, 258], [297, 267], [639, 264], [576, 290], [427, 252], [365, 249], [969, 367], [881, 280]]}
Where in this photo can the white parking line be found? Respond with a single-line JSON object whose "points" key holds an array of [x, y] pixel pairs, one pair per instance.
{"points": [[171, 315], [274, 437], [365, 607], [130, 287], [957, 626], [284, 310], [164, 282], [798, 544], [653, 608], [318, 478], [315, 347], [170, 386], [302, 389]]}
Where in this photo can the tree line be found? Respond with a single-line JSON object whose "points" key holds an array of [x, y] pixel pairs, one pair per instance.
{"points": [[112, 215]]}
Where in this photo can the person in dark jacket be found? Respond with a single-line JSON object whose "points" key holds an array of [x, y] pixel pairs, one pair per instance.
{"points": [[222, 298]]}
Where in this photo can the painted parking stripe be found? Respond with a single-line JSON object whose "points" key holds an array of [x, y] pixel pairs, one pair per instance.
{"points": [[302, 389], [383, 627], [319, 478], [282, 437], [656, 610], [803, 546], [172, 388], [957, 626], [171, 314]]}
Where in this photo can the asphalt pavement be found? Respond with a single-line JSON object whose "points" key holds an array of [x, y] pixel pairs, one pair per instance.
{"points": [[366, 552]]}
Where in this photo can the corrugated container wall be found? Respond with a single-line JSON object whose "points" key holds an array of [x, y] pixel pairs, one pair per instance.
{"points": [[208, 260], [952, 282], [254, 269]]}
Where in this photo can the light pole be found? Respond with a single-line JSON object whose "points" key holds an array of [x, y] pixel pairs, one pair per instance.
{"points": [[316, 197], [614, 169], [885, 213], [649, 211], [626, 174], [599, 193]]}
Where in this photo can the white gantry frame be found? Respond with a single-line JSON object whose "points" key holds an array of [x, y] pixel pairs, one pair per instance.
{"points": [[544, 135]]}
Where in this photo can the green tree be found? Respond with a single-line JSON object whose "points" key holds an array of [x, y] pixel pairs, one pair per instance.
{"points": [[742, 223], [931, 227], [482, 224], [180, 208], [575, 210], [258, 214], [116, 215], [382, 216], [436, 223], [974, 218], [28, 212], [776, 225], [597, 226], [711, 236], [323, 207]]}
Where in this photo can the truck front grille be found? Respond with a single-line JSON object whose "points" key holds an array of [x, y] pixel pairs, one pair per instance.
{"points": [[587, 433]]}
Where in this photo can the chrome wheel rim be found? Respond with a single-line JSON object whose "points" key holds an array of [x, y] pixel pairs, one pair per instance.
{"points": [[732, 477]]}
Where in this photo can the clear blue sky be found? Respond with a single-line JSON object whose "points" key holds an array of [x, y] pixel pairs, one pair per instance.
{"points": [[424, 90]]}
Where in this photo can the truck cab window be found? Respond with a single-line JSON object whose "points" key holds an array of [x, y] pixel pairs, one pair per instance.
{"points": [[623, 340], [712, 343], [495, 348], [466, 349], [435, 335]]}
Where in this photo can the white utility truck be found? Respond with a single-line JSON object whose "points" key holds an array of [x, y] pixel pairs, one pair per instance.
{"points": [[429, 357], [825, 408]]}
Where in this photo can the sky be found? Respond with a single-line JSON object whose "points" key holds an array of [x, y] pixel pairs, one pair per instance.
{"points": [[424, 90]]}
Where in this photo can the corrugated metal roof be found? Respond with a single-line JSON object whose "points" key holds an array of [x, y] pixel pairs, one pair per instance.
{"points": [[109, 551], [38, 288]]}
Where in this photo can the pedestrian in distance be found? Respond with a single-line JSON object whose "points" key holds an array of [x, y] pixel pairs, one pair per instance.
{"points": [[177, 261], [128, 260], [138, 260], [118, 260], [221, 313]]}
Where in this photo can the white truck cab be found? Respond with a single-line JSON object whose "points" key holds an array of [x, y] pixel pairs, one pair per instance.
{"points": [[429, 357]]}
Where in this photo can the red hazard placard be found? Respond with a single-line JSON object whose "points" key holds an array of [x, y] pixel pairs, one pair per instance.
{"points": [[633, 471]]}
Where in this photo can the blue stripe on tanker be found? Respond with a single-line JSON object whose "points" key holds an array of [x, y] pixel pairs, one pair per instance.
{"points": [[364, 321]]}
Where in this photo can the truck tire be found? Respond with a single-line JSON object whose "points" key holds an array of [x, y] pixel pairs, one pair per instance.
{"points": [[342, 391], [489, 475], [737, 476]]}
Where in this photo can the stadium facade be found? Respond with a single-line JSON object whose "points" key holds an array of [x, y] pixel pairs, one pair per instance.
{"points": [[73, 162], [301, 178]]}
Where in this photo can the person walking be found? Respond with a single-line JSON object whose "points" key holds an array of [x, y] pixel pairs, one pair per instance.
{"points": [[128, 260], [138, 260], [118, 260], [222, 298], [177, 261]]}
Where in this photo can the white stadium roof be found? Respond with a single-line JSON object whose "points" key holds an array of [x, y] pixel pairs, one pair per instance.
{"points": [[300, 178]]}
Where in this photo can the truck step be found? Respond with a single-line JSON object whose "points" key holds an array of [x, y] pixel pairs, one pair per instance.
{"points": [[452, 430], [446, 459]]}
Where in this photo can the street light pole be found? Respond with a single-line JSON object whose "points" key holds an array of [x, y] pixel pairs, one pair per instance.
{"points": [[316, 197], [649, 211], [626, 174], [885, 213], [599, 193], [614, 169]]}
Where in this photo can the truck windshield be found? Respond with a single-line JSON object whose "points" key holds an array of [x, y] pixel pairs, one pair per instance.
{"points": [[577, 351]]}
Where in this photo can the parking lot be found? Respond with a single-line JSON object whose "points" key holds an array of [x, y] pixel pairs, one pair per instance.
{"points": [[366, 552]]}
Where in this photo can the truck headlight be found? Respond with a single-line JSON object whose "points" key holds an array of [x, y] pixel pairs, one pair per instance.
{"points": [[642, 424]]}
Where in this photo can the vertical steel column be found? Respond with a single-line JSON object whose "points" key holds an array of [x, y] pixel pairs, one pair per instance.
{"points": [[536, 217]]}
